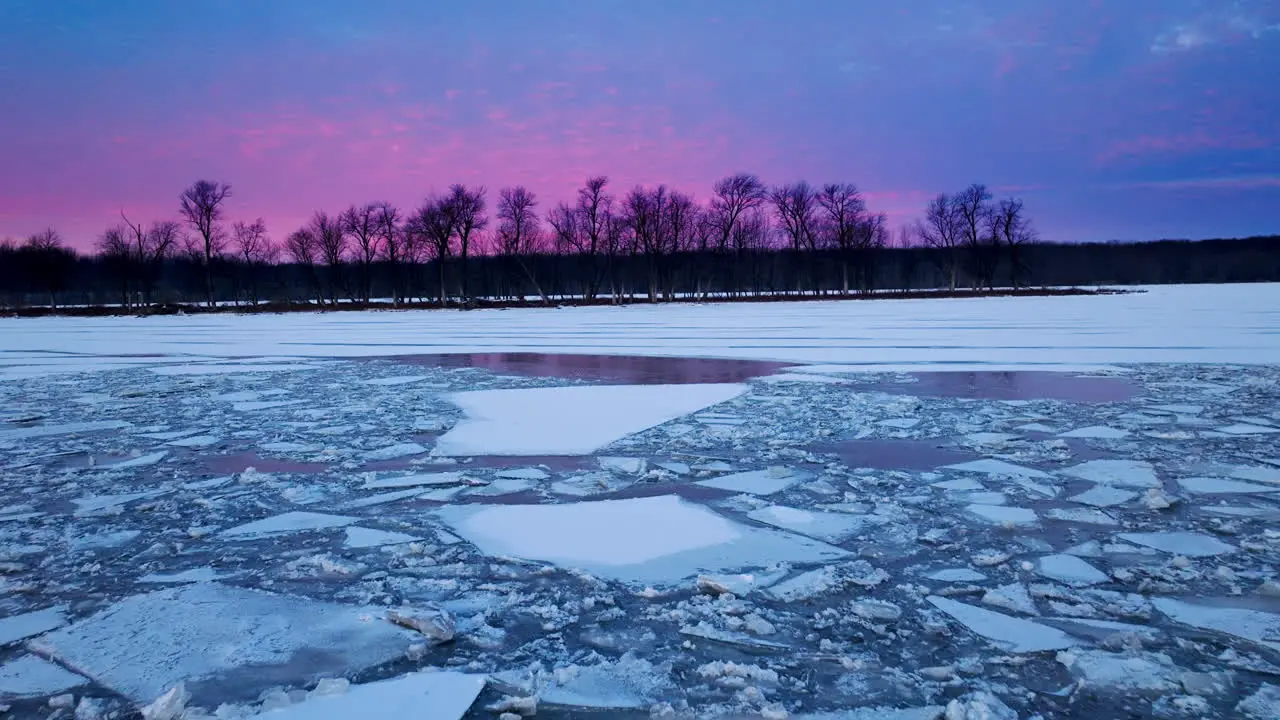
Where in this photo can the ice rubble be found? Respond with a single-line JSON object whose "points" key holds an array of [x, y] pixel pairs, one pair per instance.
{"points": [[146, 644], [574, 420], [616, 538], [359, 537], [438, 695]]}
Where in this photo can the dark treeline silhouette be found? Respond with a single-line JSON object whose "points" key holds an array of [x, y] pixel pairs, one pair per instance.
{"points": [[749, 241]]}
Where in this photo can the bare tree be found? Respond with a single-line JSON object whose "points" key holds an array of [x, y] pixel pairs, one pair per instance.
{"points": [[49, 262], [360, 222], [117, 255], [843, 210], [973, 209], [680, 224], [1011, 228], [908, 256], [594, 238], [302, 247], [468, 208], [331, 241], [435, 223], [391, 238], [734, 197], [519, 232], [795, 207], [255, 250], [942, 229], [201, 206]]}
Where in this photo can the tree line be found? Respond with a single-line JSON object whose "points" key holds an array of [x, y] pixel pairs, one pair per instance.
{"points": [[750, 240]]}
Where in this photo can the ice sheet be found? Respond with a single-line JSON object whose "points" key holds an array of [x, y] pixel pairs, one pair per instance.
{"points": [[756, 482], [659, 539], [146, 644], [1252, 625], [1180, 543], [1167, 323], [30, 676], [425, 695], [1123, 473], [990, 466], [25, 625], [574, 420]]}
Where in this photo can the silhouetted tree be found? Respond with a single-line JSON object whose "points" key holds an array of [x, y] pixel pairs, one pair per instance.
{"points": [[435, 222], [735, 199], [255, 250], [201, 206], [331, 241], [49, 262], [1011, 228], [117, 257], [468, 208], [942, 230], [361, 224], [304, 248], [973, 209], [519, 234], [843, 209]]}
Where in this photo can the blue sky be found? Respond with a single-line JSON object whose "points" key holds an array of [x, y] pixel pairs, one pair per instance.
{"points": [[1112, 119]]}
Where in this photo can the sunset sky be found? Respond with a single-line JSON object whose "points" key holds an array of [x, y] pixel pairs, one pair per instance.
{"points": [[1112, 119]]}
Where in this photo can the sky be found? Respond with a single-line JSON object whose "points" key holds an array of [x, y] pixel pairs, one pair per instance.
{"points": [[1111, 119]]}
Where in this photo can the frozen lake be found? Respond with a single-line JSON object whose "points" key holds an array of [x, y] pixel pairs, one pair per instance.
{"points": [[1062, 506]]}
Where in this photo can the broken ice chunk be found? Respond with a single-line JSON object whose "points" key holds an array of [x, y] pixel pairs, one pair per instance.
{"points": [[1101, 432], [756, 482], [1103, 496], [1013, 597], [1180, 543], [528, 473], [392, 452], [25, 625], [408, 481], [955, 575], [436, 624], [832, 527], [146, 644], [1082, 515], [1004, 515], [960, 484], [289, 522], [39, 431], [1219, 486], [629, 683], [203, 574], [196, 441], [360, 537], [1009, 633], [1070, 570], [998, 467], [137, 462], [1137, 671], [1247, 429], [106, 504], [623, 465], [617, 538], [30, 676], [1124, 473], [1251, 625], [437, 695]]}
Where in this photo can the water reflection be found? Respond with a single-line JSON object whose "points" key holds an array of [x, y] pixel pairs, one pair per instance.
{"points": [[618, 368]]}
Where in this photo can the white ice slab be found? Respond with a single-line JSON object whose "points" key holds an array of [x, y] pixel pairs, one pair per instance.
{"points": [[1103, 496], [757, 482], [830, 526], [1091, 516], [1243, 429], [1004, 515], [576, 420], [623, 465], [388, 497], [146, 644], [660, 539], [1222, 486], [201, 574], [392, 452], [100, 504], [528, 473], [396, 380], [991, 466], [360, 537], [232, 368], [1180, 543], [960, 484], [804, 378], [255, 405], [408, 481], [424, 695], [1252, 625], [30, 676], [137, 462], [39, 431], [1101, 432], [195, 441], [25, 625], [1123, 473], [952, 575], [1070, 570], [290, 522], [1256, 473], [1005, 631]]}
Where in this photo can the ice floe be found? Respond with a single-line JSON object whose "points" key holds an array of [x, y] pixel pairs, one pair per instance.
{"points": [[419, 480], [616, 538], [360, 537], [1003, 515], [1180, 543], [1122, 473], [1244, 623], [1101, 432], [575, 420], [1070, 570], [829, 526], [1103, 496], [290, 522], [431, 695], [29, 676], [24, 625], [991, 466], [1222, 486], [1005, 631], [146, 644]]}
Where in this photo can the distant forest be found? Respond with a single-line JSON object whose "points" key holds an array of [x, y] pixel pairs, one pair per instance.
{"points": [[750, 241]]}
